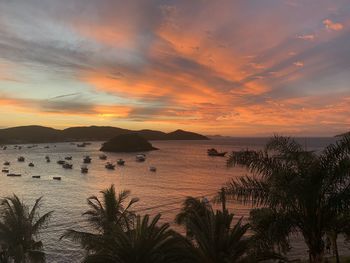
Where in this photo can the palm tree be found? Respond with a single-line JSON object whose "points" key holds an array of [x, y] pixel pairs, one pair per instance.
{"points": [[104, 217], [270, 231], [19, 229], [146, 242], [307, 187], [214, 239], [338, 225]]}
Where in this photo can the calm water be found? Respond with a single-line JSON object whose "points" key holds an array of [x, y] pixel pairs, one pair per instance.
{"points": [[183, 169]]}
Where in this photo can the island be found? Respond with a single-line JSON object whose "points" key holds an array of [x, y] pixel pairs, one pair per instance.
{"points": [[127, 143]]}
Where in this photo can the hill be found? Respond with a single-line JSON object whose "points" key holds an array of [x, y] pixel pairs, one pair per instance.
{"points": [[30, 134], [92, 133], [131, 142], [40, 134], [185, 135]]}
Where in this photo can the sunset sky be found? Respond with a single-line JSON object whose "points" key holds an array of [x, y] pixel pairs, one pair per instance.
{"points": [[239, 67]]}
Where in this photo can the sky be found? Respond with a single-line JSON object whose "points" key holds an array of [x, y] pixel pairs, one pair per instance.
{"points": [[230, 67]]}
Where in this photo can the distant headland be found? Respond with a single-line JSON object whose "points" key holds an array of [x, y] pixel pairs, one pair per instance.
{"points": [[41, 134]]}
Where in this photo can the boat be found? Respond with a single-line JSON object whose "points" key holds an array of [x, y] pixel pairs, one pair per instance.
{"points": [[83, 144], [153, 169], [47, 147], [4, 148], [68, 158], [20, 159], [140, 157], [84, 169], [6, 163], [120, 162], [214, 152], [31, 164], [61, 162], [56, 178], [103, 157], [67, 166], [110, 166], [5, 170], [14, 175], [87, 159], [36, 176]]}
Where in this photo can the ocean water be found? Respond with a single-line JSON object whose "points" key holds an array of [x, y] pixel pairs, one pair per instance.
{"points": [[183, 169]]}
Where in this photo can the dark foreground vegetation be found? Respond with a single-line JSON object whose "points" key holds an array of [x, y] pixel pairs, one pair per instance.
{"points": [[293, 190]]}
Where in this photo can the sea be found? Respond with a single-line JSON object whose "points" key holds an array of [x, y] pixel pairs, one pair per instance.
{"points": [[183, 169]]}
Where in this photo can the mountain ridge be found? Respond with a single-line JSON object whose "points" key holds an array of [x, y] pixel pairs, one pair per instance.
{"points": [[42, 134]]}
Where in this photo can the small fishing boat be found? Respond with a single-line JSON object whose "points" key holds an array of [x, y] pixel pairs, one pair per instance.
{"points": [[56, 178], [153, 169], [20, 159], [67, 166], [214, 152], [61, 162], [87, 159], [120, 162], [103, 157], [68, 158], [14, 175], [140, 157], [110, 166], [36, 176], [31, 164], [4, 148], [5, 170], [47, 147], [6, 163], [84, 169]]}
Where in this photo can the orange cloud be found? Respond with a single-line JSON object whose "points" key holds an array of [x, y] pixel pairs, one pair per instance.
{"points": [[332, 25], [298, 64]]}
